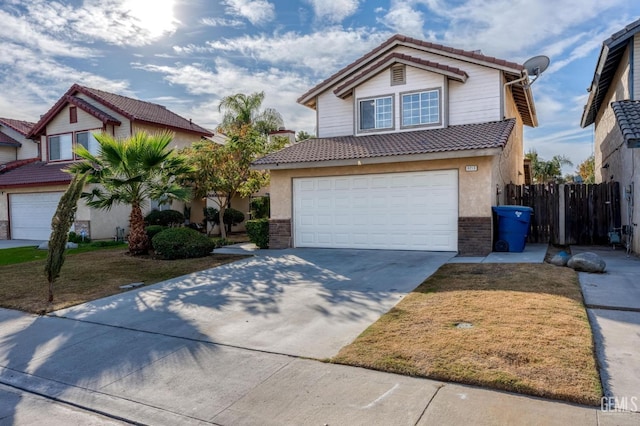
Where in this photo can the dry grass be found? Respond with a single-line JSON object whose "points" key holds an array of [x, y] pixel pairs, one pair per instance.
{"points": [[90, 276], [530, 332]]}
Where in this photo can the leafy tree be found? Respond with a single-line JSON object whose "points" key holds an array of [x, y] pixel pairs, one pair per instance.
{"points": [[243, 110], [303, 136], [546, 171], [586, 169], [221, 172], [61, 223], [131, 172]]}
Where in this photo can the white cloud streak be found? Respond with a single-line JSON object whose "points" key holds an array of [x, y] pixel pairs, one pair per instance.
{"points": [[333, 11], [258, 12]]}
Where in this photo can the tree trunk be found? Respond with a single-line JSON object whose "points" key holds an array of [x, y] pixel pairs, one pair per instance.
{"points": [[138, 240], [50, 299], [223, 228]]}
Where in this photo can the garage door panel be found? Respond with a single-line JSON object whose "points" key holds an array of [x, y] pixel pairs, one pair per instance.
{"points": [[31, 214], [407, 211]]}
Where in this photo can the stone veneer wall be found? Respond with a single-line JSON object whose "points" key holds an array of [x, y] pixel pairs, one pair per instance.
{"points": [[279, 233], [474, 236], [80, 225], [4, 229]]}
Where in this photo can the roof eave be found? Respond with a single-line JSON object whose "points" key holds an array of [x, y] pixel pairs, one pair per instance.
{"points": [[405, 158], [588, 117], [180, 129]]}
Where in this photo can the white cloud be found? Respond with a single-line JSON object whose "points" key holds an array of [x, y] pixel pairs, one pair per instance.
{"points": [[258, 12], [282, 88], [402, 18], [335, 10], [321, 53], [222, 22]]}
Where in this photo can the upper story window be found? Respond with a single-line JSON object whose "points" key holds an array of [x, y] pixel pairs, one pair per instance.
{"points": [[87, 140], [73, 114], [61, 147], [376, 113], [421, 108]]}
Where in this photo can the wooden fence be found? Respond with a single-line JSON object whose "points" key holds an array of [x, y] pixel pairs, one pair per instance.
{"points": [[569, 213]]}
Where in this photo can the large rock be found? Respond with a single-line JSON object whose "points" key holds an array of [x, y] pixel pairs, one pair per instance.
{"points": [[560, 259], [587, 262], [45, 245]]}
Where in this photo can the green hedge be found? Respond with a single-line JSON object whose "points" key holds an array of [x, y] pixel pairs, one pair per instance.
{"points": [[164, 218], [181, 243], [258, 232], [231, 216], [153, 230], [77, 238]]}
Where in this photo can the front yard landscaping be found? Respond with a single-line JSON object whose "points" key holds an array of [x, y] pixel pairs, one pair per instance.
{"points": [[514, 327], [87, 275]]}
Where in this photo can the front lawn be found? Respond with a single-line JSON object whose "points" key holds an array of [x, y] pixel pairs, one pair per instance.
{"points": [[527, 332], [90, 275], [26, 254]]}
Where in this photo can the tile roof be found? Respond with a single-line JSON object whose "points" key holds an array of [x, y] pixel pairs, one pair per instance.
{"points": [[454, 72], [6, 140], [133, 109], [20, 126], [628, 117], [611, 53], [453, 138], [404, 40], [15, 164], [36, 174], [93, 110]]}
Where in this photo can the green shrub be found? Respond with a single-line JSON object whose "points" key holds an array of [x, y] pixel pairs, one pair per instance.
{"points": [[77, 238], [260, 207], [258, 232], [164, 218], [107, 243], [153, 230], [231, 216], [181, 243], [221, 242]]}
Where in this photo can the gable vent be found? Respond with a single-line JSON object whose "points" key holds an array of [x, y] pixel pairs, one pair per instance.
{"points": [[398, 75]]}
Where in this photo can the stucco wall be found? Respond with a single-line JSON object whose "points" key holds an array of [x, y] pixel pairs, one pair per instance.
{"points": [[180, 139], [476, 188]]}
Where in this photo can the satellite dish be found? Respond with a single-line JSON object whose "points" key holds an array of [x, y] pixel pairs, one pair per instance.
{"points": [[536, 66]]}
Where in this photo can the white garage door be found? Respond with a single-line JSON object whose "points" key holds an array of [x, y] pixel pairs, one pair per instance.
{"points": [[31, 215], [401, 211]]}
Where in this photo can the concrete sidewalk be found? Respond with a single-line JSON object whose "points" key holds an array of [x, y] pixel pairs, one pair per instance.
{"points": [[613, 304], [4, 244], [151, 378]]}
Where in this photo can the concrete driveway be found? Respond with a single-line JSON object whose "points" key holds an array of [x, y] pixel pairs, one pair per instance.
{"points": [[613, 304], [4, 244], [302, 302]]}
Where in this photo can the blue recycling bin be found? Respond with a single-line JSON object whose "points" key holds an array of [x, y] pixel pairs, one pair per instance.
{"points": [[513, 227]]}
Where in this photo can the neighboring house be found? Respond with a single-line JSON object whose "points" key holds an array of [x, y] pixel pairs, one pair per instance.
{"points": [[415, 143], [15, 147], [29, 194], [613, 107]]}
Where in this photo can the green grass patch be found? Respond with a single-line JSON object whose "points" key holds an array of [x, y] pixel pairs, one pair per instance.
{"points": [[15, 255]]}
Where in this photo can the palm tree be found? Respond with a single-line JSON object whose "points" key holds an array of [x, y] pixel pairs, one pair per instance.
{"points": [[131, 172], [545, 171], [241, 110]]}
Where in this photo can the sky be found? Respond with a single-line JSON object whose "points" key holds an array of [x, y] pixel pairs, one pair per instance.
{"points": [[188, 54]]}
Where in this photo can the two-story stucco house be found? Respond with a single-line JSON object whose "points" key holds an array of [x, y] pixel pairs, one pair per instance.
{"points": [[15, 147], [415, 142], [613, 107], [29, 194]]}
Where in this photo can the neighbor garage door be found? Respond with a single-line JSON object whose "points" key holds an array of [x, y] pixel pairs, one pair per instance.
{"points": [[401, 211], [31, 215]]}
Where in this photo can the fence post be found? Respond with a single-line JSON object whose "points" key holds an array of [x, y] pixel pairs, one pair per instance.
{"points": [[561, 215]]}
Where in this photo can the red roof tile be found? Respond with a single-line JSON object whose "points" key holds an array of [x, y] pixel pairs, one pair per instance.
{"points": [[6, 140], [133, 109], [93, 110], [15, 164], [20, 126], [36, 174], [401, 57], [453, 138], [400, 39]]}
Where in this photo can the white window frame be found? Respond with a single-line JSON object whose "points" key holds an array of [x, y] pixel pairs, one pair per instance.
{"points": [[423, 120], [65, 147], [92, 144], [376, 125]]}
